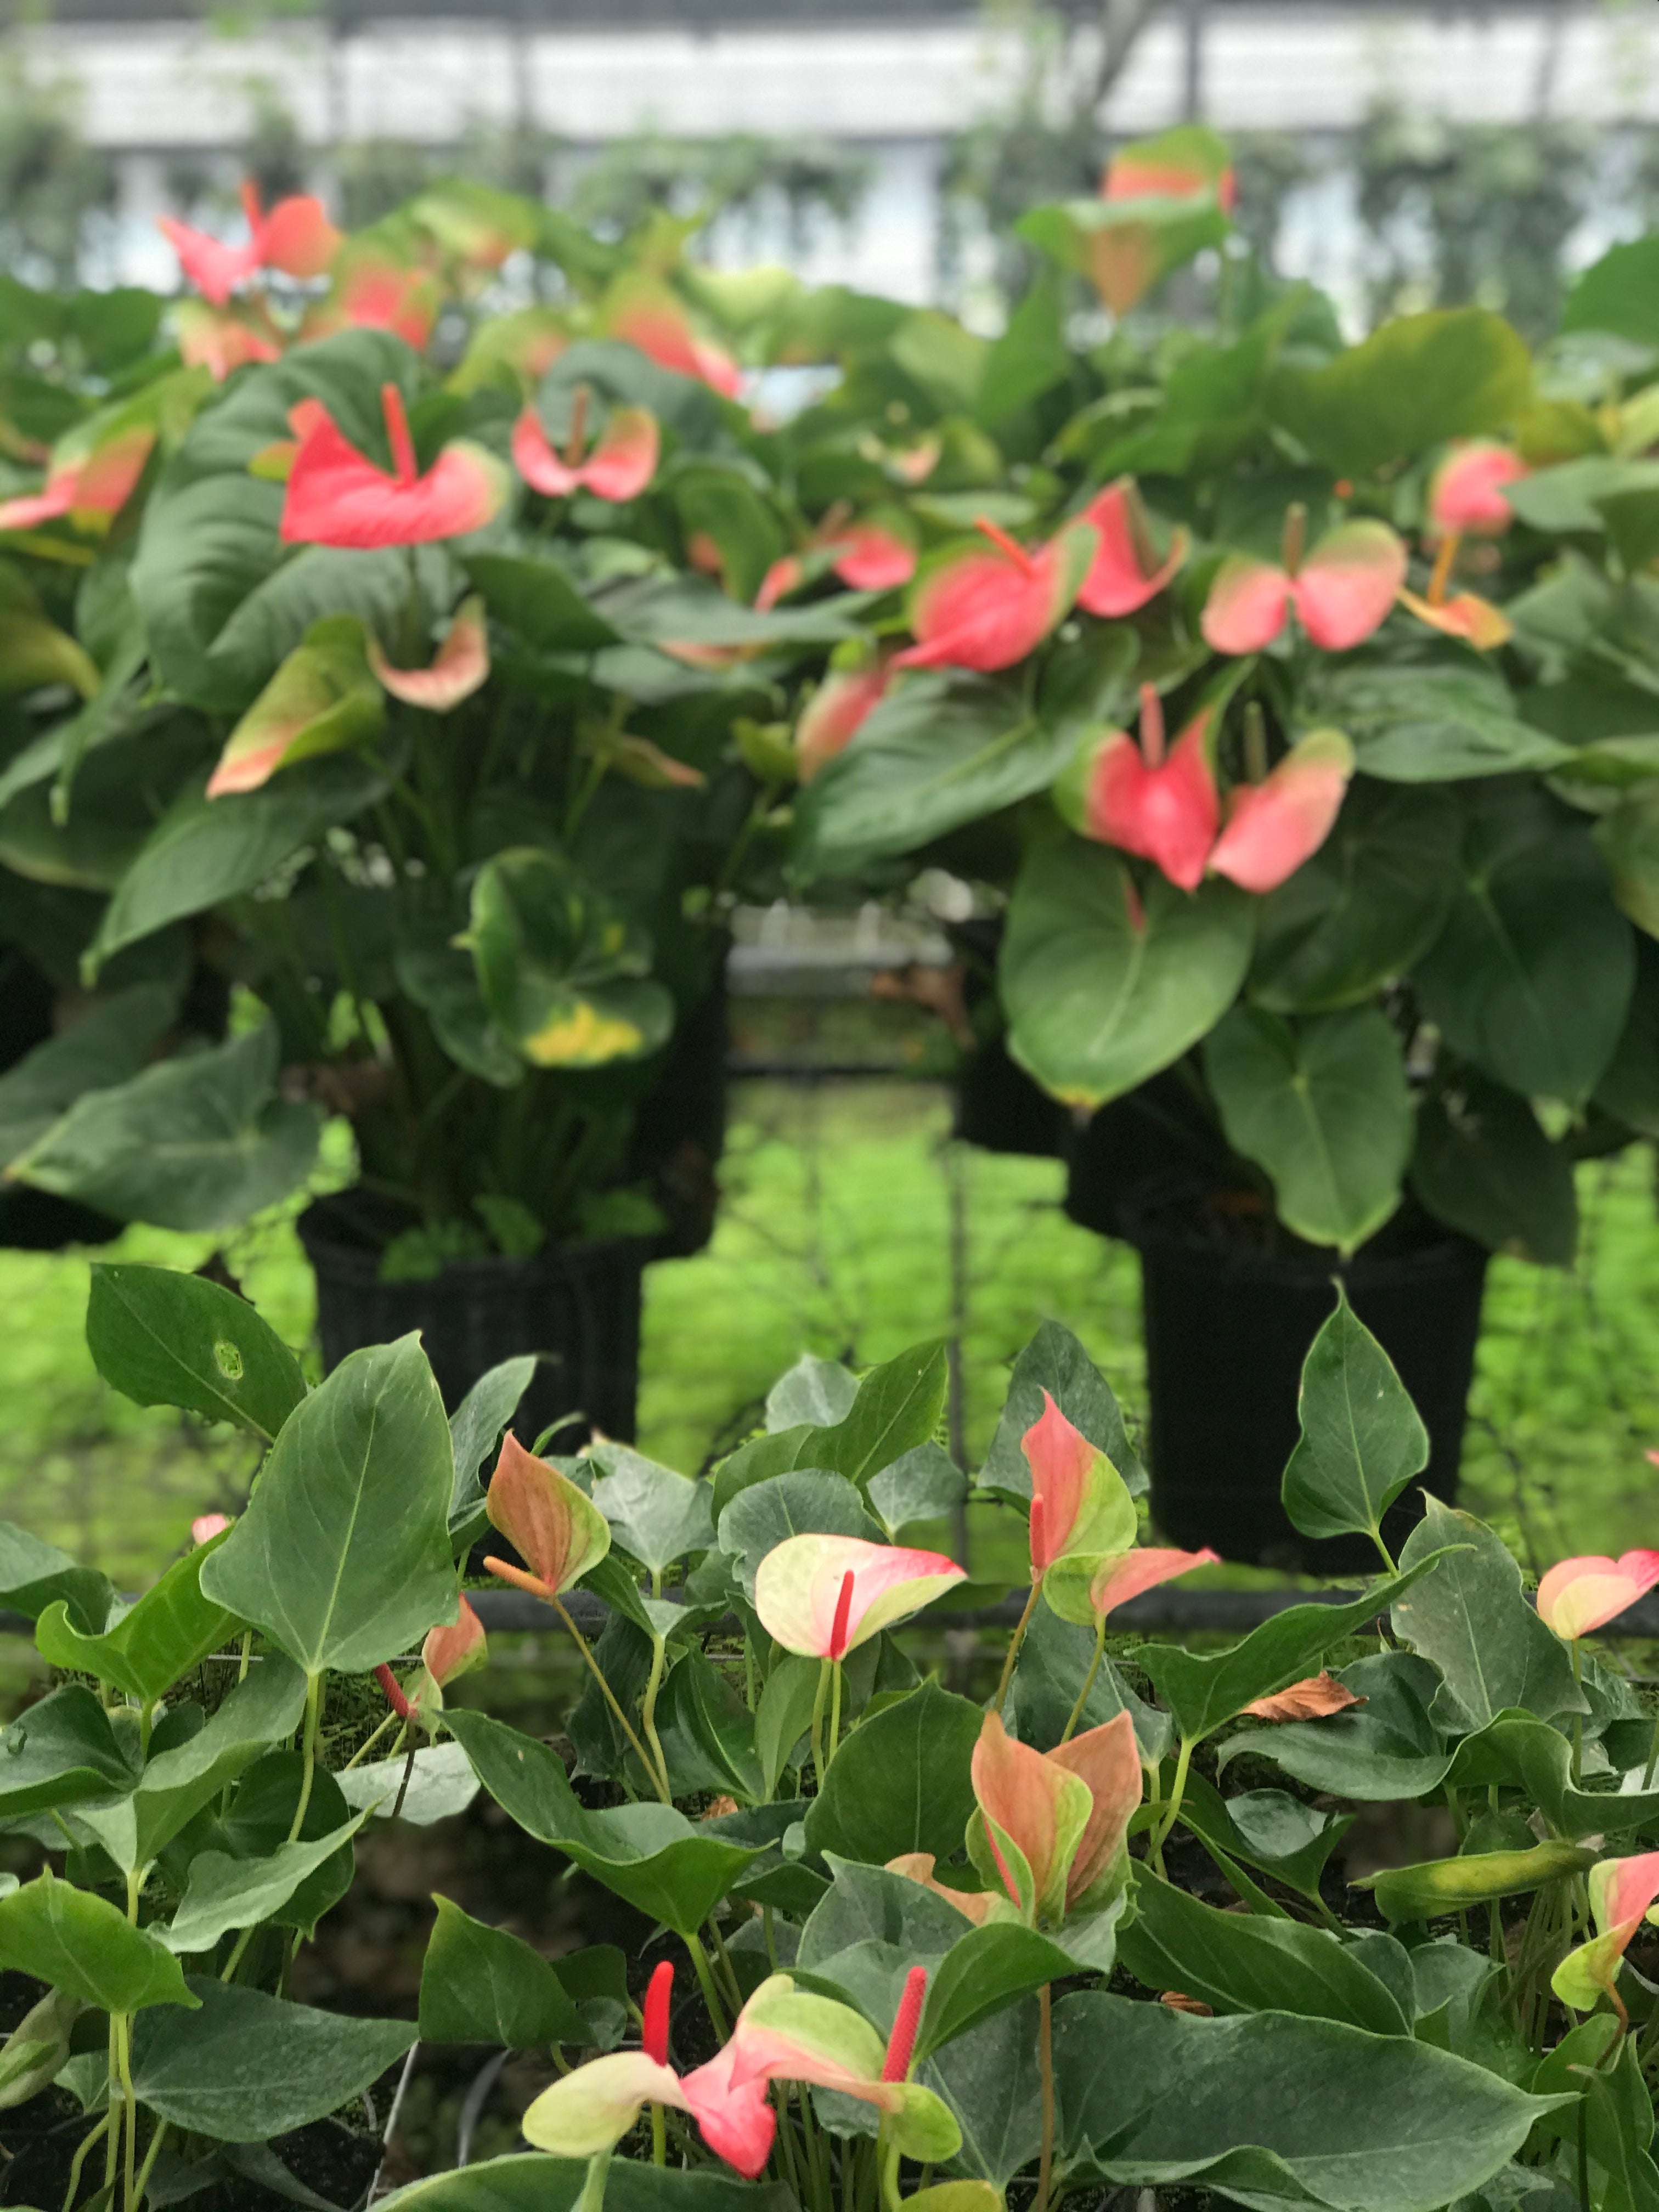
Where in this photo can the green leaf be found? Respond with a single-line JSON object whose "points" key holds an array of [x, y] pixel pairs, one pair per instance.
{"points": [[1618, 294], [1204, 1690], [224, 1892], [716, 501], [656, 1515], [108, 1046], [1242, 1962], [1482, 1165], [1267, 1829], [169, 1631], [1629, 1089], [1451, 373], [534, 2183], [323, 699], [923, 1485], [900, 1782], [263, 1710], [1054, 1659], [898, 1406], [80, 1944], [763, 1516], [61, 1751], [483, 1984], [1628, 838], [783, 1715], [1472, 1620], [1323, 1107], [1362, 1441], [440, 1784], [33, 1574], [1386, 1748], [205, 850], [1102, 989], [342, 1556], [991, 2080], [650, 1854], [198, 1142], [814, 1392], [563, 976], [1431, 725], [1277, 2110], [1532, 973], [707, 1732], [938, 752], [1056, 1362], [1031, 356], [247, 2067], [985, 1970], [1365, 908], [475, 1430], [1439, 1887], [163, 1338], [536, 600]]}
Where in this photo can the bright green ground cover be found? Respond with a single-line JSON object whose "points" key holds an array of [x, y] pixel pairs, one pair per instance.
{"points": [[837, 1235]]}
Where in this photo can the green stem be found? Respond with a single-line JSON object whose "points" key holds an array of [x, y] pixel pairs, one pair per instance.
{"points": [[247, 1649], [659, 1780], [1178, 1791], [723, 1959], [659, 2137], [835, 1713], [1088, 1680], [113, 2146], [592, 2196], [150, 2155], [1653, 1755], [706, 1983], [309, 1753], [369, 1742], [80, 2157], [122, 2023], [769, 1928], [1046, 2059], [584, 798], [146, 1723], [648, 1714], [820, 1764], [1388, 1566], [888, 2156], [1018, 1638], [741, 843], [1578, 1719]]}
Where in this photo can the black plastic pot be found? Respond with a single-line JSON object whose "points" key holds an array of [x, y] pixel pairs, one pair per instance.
{"points": [[37, 1220], [1227, 1333], [578, 1306], [1151, 1136], [998, 1107], [679, 1126]]}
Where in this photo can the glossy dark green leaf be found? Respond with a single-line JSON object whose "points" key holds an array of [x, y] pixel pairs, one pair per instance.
{"points": [[108, 1046], [898, 1406], [534, 2183], [1437, 1887], [866, 1932], [1322, 1105], [763, 1516], [1104, 987], [1629, 1089], [1053, 1660], [1267, 1829], [483, 1984], [986, 1970], [1531, 976], [1432, 725], [475, 1430], [900, 1782], [247, 2067], [1628, 838], [168, 1632], [1362, 1440], [655, 1514], [225, 1892], [538, 601], [1056, 1362], [1449, 373], [991, 2080], [1204, 1690], [261, 1710], [203, 851], [1365, 908], [707, 1732], [79, 1943], [1276, 2109], [939, 751], [342, 1556], [1386, 1747], [34, 1575], [163, 1338], [60, 1751], [1618, 294], [1470, 1618], [1482, 1165], [1243, 1962], [671, 1869]]}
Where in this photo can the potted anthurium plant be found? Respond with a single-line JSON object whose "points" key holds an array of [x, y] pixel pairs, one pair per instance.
{"points": [[887, 1943], [443, 713], [1292, 701]]}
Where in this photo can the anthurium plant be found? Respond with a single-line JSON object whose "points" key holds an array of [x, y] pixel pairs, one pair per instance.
{"points": [[1294, 701], [1085, 1916]]}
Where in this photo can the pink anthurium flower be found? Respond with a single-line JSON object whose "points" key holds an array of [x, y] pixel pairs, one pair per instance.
{"points": [[1578, 1596], [646, 314], [784, 2033], [554, 1526], [985, 607], [978, 1905], [1178, 165], [223, 339], [373, 292], [1273, 826], [590, 2110], [836, 713], [1341, 592], [1621, 1893], [86, 486], [874, 554], [1164, 806], [1466, 492], [338, 497], [1117, 1580], [1126, 572], [1051, 1826], [622, 464], [822, 1596], [206, 1526], [296, 237], [448, 1652], [459, 667], [1081, 1508]]}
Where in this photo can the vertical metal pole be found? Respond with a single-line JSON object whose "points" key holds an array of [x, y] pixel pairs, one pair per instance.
{"points": [[1192, 77], [956, 1186]]}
